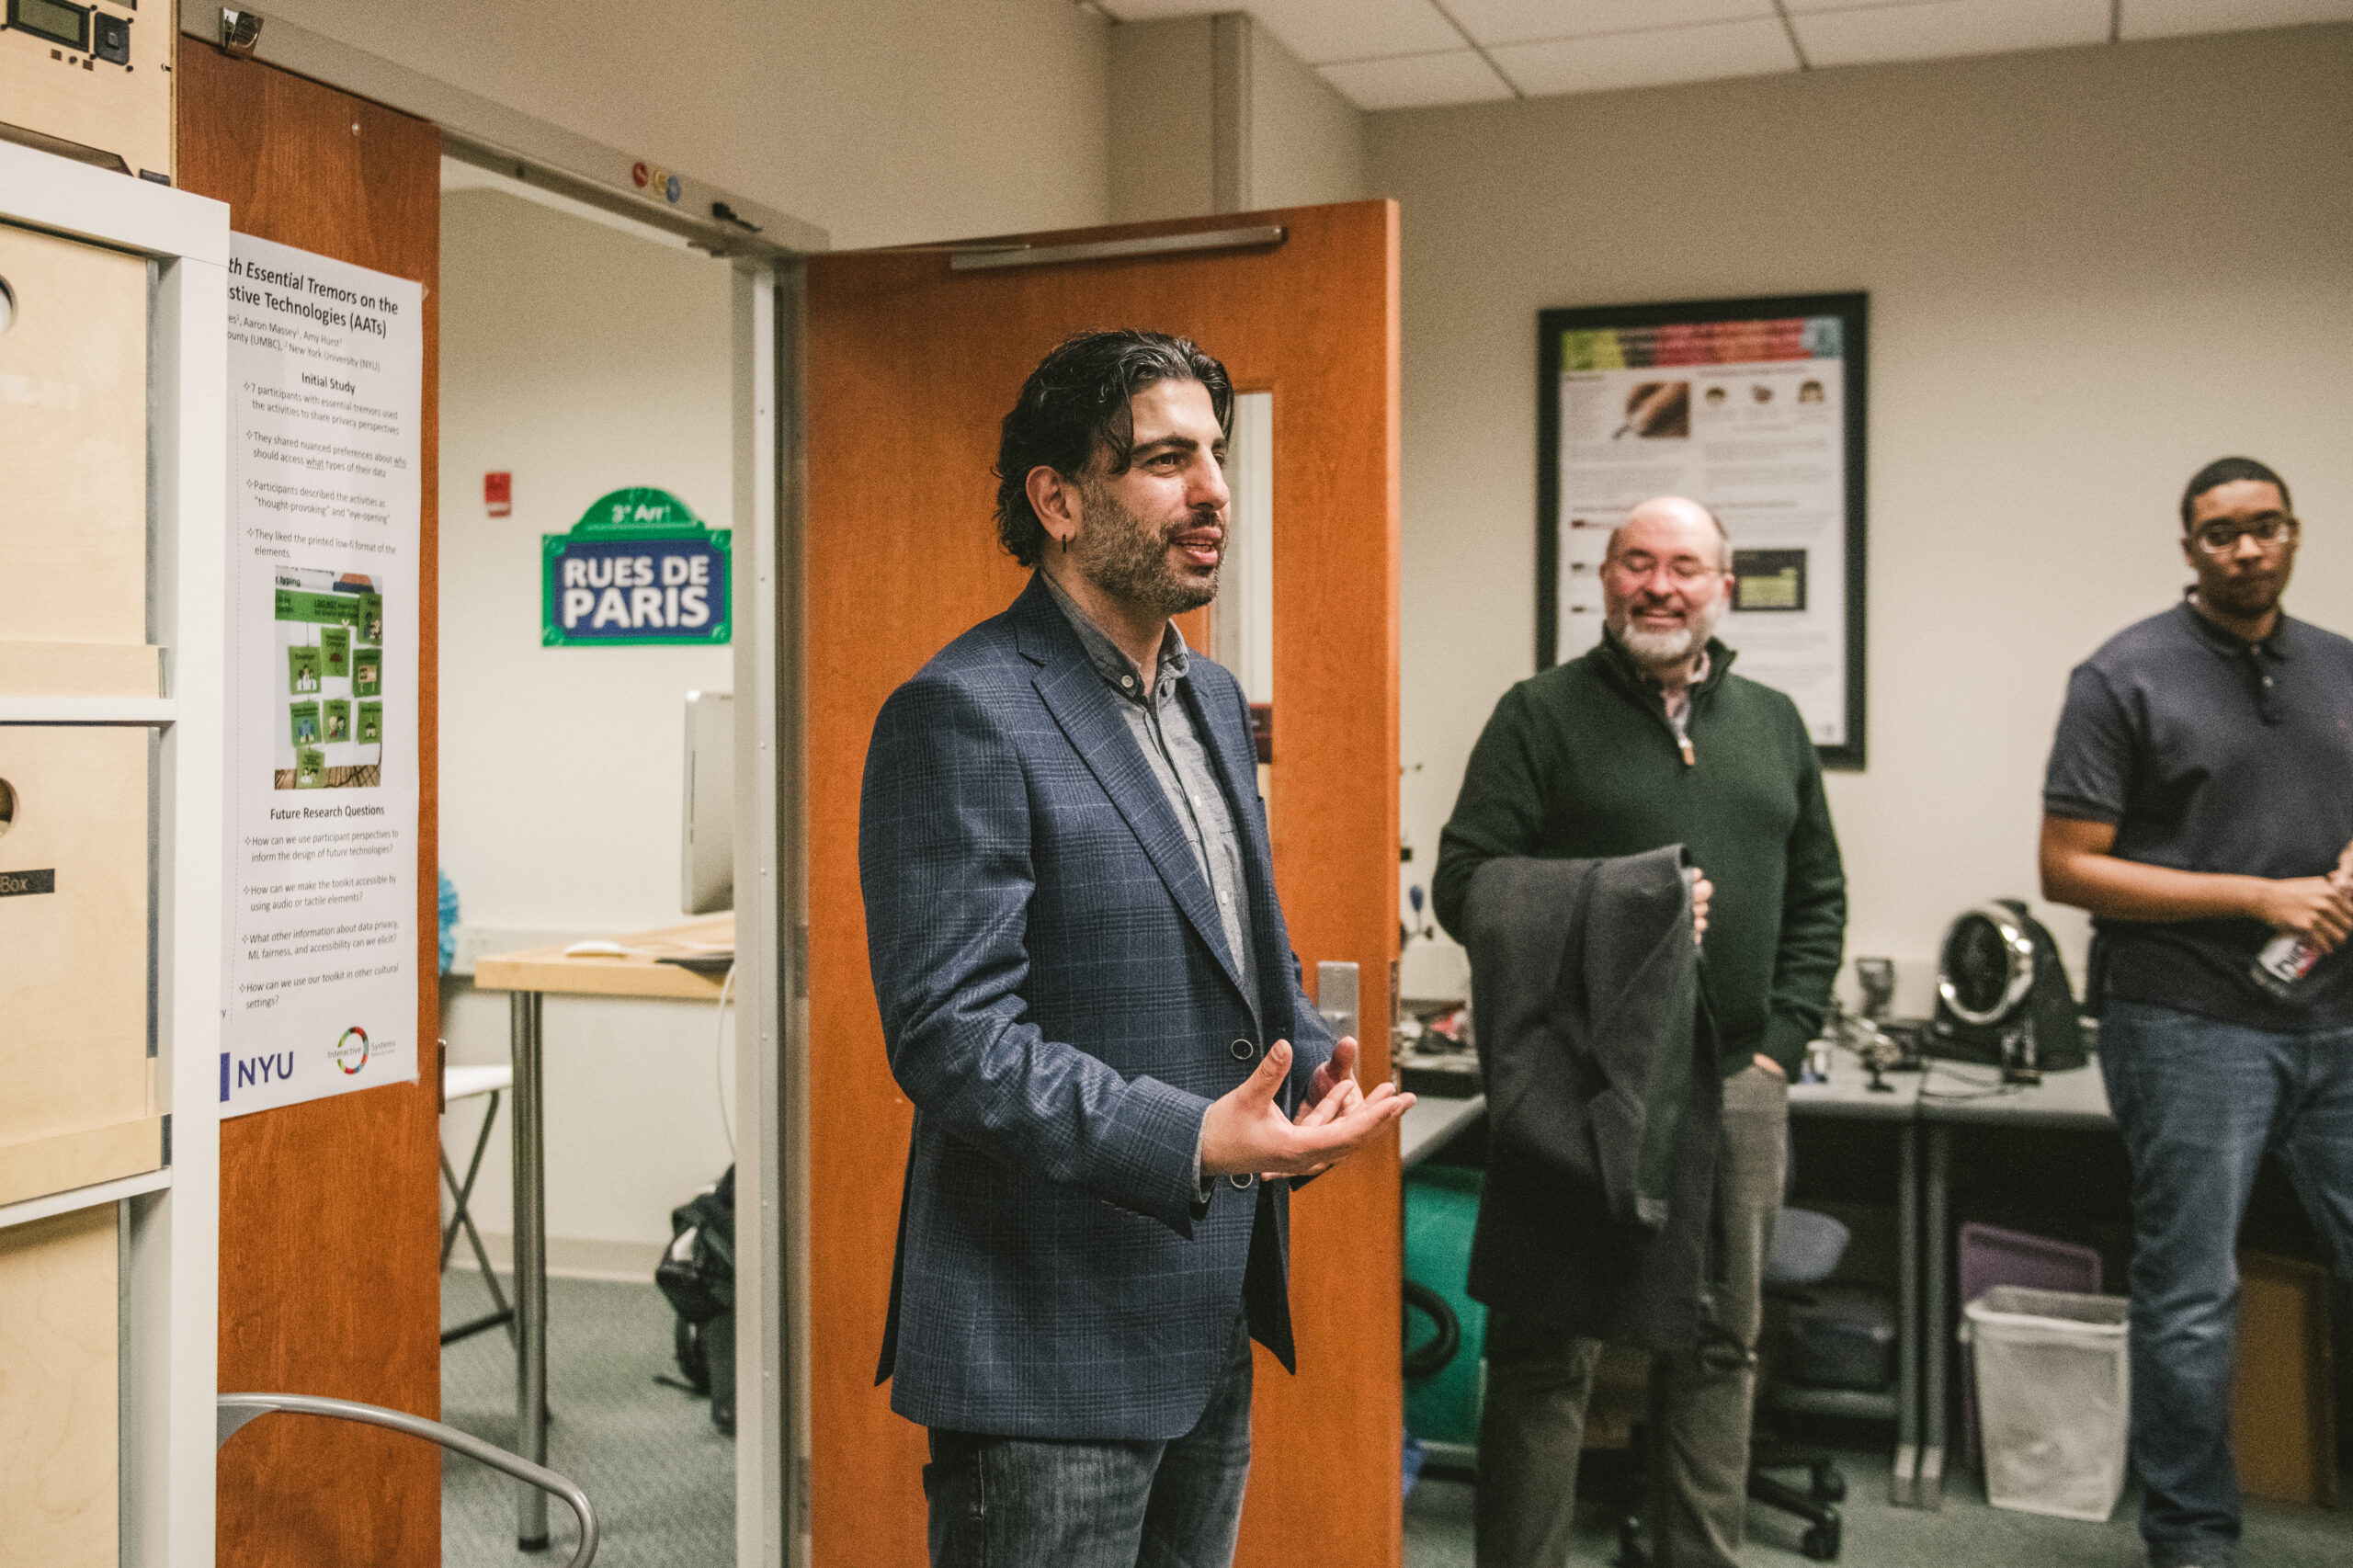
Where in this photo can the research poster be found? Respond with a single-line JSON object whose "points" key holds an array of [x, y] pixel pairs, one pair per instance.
{"points": [[326, 366], [1758, 415]]}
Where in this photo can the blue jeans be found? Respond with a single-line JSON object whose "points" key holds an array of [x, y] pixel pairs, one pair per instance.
{"points": [[1019, 1502], [2200, 1103]]}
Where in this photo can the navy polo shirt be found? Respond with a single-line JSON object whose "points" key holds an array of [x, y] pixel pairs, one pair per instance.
{"points": [[2209, 754]]}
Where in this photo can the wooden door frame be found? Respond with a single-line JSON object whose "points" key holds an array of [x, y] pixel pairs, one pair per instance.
{"points": [[365, 1321], [1366, 702], [771, 923], [767, 248]]}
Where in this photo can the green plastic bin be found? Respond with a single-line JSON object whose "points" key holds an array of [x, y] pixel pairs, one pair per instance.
{"points": [[1441, 1207]]}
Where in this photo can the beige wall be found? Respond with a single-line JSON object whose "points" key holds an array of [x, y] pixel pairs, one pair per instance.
{"points": [[1164, 98], [1213, 114], [581, 360], [1307, 143], [2090, 271], [883, 121]]}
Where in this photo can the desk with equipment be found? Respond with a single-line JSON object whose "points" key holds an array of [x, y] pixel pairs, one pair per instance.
{"points": [[2001, 991], [1850, 1093], [2004, 1055], [681, 964]]}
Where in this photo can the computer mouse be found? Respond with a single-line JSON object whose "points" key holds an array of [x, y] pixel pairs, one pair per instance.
{"points": [[597, 948]]}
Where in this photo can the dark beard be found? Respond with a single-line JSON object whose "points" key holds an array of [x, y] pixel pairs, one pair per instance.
{"points": [[2250, 598], [1127, 558]]}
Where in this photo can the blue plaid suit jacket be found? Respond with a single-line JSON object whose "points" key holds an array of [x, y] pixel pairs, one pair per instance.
{"points": [[1058, 1003]]}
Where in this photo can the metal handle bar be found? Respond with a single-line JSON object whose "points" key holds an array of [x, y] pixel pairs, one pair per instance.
{"points": [[237, 1409]]}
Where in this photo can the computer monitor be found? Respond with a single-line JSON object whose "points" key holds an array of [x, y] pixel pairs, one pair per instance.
{"points": [[707, 819]]}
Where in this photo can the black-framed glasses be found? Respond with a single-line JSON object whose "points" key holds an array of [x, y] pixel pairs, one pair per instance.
{"points": [[2221, 539], [1638, 565]]}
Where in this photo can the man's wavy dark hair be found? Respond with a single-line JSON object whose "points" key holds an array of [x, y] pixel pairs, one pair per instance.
{"points": [[1076, 403], [2224, 470]]}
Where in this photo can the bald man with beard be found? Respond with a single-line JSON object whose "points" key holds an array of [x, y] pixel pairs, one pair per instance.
{"points": [[1646, 740]]}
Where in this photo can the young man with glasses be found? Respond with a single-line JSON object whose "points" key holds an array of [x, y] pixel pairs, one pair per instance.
{"points": [[2200, 801], [1646, 740]]}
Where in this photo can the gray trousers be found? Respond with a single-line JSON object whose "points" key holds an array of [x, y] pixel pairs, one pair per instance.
{"points": [[1539, 1381]]}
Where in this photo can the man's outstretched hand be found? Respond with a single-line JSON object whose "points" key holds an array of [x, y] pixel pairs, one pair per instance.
{"points": [[1338, 1072], [1245, 1131]]}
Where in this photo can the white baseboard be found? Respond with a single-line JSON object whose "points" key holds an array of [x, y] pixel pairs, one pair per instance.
{"points": [[571, 1257]]}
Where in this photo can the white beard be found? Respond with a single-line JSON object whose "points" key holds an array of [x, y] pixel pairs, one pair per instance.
{"points": [[1659, 647], [1655, 648]]}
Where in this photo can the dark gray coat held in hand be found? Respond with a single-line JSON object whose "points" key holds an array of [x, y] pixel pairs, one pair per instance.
{"points": [[1603, 1097], [1058, 1002]]}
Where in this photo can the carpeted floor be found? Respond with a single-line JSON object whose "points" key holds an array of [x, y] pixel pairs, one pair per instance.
{"points": [[664, 1481], [661, 1478], [1965, 1531]]}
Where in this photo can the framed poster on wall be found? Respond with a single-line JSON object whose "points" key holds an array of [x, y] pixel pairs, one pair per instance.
{"points": [[1755, 408]]}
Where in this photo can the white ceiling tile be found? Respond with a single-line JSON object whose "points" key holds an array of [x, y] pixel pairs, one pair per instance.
{"points": [[1417, 81], [1801, 7], [2165, 18], [1526, 21], [1320, 31], [1943, 29], [1153, 10], [1647, 59]]}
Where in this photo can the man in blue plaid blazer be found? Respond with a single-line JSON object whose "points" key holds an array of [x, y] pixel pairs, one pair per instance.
{"points": [[1088, 993]]}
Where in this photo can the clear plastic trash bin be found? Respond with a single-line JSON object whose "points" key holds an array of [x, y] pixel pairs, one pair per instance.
{"points": [[2054, 1398]]}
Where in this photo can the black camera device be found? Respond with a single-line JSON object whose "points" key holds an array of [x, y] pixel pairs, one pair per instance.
{"points": [[2002, 995]]}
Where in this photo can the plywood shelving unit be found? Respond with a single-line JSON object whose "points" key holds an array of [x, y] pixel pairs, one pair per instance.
{"points": [[110, 1219]]}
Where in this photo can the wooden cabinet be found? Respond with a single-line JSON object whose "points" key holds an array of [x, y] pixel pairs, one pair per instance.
{"points": [[60, 1448], [92, 79], [113, 479], [74, 959], [73, 444]]}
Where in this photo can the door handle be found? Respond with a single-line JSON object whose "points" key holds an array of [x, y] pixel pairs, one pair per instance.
{"points": [[1335, 996]]}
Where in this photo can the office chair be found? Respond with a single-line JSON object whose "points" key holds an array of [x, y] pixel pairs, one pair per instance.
{"points": [[1806, 1250], [462, 1084], [233, 1411]]}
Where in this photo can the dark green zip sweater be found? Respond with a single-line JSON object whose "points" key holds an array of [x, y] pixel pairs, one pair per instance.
{"points": [[1580, 762]]}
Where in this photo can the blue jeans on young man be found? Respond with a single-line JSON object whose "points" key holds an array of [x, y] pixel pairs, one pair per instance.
{"points": [[1078, 1502], [2200, 1103]]}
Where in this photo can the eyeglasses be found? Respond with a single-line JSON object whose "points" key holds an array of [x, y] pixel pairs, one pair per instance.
{"points": [[1638, 566], [2221, 539]]}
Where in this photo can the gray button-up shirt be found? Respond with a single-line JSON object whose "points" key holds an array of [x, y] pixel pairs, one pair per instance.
{"points": [[1163, 731]]}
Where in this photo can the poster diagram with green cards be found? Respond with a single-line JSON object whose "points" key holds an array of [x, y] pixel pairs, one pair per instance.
{"points": [[330, 628]]}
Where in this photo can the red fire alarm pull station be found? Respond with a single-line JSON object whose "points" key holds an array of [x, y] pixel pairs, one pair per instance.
{"points": [[498, 493]]}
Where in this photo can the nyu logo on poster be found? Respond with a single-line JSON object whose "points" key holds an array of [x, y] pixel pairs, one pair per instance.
{"points": [[637, 568]]}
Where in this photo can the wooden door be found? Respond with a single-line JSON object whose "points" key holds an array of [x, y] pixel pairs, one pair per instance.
{"points": [[329, 1211], [910, 367]]}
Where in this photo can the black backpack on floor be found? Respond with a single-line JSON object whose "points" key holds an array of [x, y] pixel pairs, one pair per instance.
{"points": [[697, 1274]]}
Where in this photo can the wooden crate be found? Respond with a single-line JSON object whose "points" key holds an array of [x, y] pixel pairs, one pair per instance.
{"points": [[73, 945], [73, 442], [59, 1451], [121, 110], [2283, 1399]]}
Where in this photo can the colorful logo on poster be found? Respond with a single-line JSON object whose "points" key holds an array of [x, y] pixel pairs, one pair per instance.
{"points": [[638, 568], [350, 1052]]}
